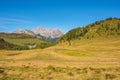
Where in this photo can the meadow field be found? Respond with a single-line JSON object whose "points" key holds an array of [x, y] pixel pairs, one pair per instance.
{"points": [[82, 60]]}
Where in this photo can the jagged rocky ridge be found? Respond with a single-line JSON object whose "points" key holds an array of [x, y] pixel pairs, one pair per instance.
{"points": [[44, 33], [24, 32]]}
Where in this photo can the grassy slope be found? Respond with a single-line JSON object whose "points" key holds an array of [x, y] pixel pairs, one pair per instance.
{"points": [[6, 45], [24, 40], [92, 61], [109, 28], [96, 59]]}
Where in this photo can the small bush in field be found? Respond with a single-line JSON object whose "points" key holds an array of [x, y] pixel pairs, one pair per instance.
{"points": [[1, 71], [70, 74], [110, 76], [51, 68]]}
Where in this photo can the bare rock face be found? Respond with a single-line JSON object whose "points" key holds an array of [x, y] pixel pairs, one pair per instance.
{"points": [[44, 33], [52, 33], [24, 32]]}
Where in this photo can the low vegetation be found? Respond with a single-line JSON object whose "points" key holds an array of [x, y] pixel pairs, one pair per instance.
{"points": [[109, 28], [96, 58], [74, 53], [23, 41], [57, 73], [10, 46]]}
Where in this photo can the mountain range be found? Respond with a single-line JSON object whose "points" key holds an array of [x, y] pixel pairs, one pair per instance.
{"points": [[44, 33], [38, 37]]}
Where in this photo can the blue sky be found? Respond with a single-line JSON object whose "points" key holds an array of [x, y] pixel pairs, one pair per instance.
{"points": [[62, 14]]}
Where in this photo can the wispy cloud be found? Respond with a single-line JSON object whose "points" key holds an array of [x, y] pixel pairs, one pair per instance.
{"points": [[4, 27], [13, 20], [9, 24]]}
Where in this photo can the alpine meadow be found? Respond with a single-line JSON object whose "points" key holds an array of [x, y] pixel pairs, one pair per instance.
{"points": [[91, 52], [59, 39]]}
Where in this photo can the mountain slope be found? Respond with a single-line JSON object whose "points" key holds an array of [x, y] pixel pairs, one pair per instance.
{"points": [[48, 34], [98, 30], [6, 45], [43, 33], [24, 40], [24, 32]]}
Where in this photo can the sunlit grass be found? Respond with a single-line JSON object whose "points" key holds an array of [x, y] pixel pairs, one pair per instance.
{"points": [[50, 72], [83, 60], [75, 53], [23, 42]]}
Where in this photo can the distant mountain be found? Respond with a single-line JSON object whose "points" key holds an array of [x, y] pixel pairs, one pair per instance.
{"points": [[48, 34], [24, 32], [44, 33], [109, 28]]}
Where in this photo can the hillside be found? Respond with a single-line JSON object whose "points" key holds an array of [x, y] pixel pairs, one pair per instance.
{"points": [[104, 29], [98, 60], [88, 58], [24, 40], [6, 45]]}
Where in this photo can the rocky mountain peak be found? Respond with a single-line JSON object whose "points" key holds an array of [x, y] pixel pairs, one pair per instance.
{"points": [[40, 32], [24, 32], [48, 33]]}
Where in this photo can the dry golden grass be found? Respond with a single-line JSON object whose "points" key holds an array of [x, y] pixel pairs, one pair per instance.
{"points": [[57, 63]]}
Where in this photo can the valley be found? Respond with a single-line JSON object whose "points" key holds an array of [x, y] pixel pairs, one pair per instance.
{"points": [[73, 57], [94, 61]]}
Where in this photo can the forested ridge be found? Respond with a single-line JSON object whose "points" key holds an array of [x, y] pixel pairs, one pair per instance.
{"points": [[99, 29]]}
